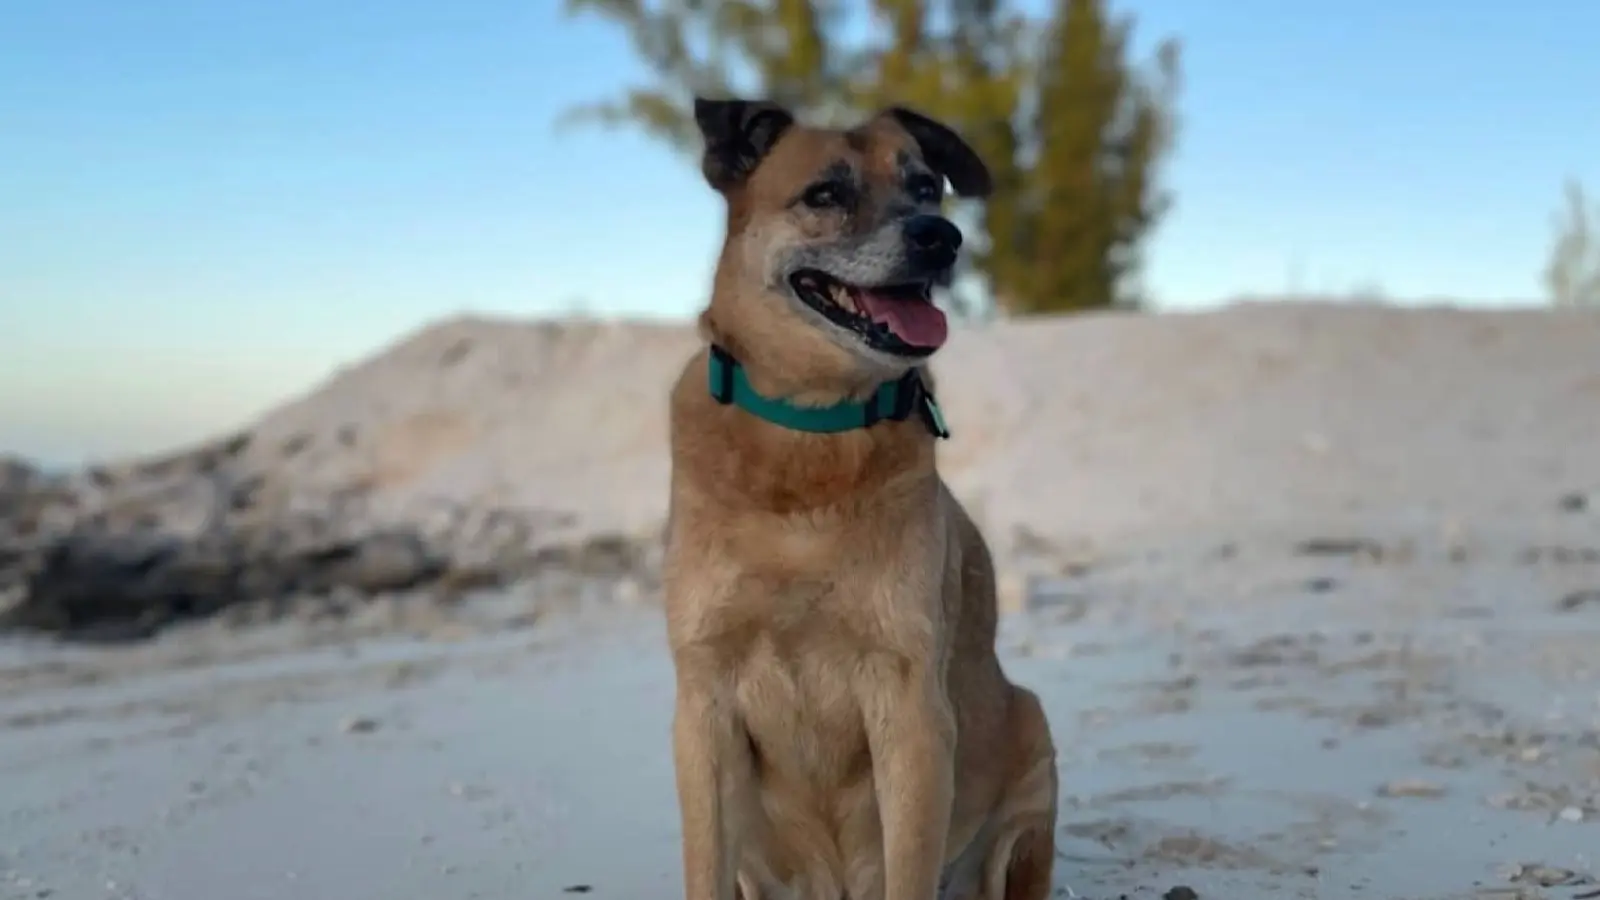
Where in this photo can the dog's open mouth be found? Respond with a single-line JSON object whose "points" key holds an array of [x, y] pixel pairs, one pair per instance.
{"points": [[895, 318]]}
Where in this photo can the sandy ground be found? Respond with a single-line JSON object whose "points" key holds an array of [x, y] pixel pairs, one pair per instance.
{"points": [[1397, 716]]}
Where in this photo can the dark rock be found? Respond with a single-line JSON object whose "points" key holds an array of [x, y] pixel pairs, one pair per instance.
{"points": [[381, 562], [1575, 502], [1328, 546], [359, 725], [117, 553], [1181, 892], [246, 494], [1580, 599], [17, 477], [234, 447], [455, 353], [85, 578], [101, 583], [92, 577], [601, 555], [1559, 555]]}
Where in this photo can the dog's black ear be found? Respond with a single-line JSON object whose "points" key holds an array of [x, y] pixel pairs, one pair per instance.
{"points": [[738, 135], [947, 153]]}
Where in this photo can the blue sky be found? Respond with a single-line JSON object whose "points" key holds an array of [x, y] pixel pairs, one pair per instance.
{"points": [[206, 206]]}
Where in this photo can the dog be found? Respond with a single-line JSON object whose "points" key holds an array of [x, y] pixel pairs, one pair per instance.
{"points": [[842, 728]]}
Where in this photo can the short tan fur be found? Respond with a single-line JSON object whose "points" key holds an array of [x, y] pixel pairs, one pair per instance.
{"points": [[843, 729]]}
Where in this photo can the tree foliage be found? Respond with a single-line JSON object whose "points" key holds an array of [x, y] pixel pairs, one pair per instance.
{"points": [[1572, 274], [1074, 132]]}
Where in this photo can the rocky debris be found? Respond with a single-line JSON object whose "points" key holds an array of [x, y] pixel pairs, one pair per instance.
{"points": [[92, 577], [31, 503], [1588, 598], [120, 553], [1559, 555], [1533, 873], [1561, 802], [1276, 650], [1196, 850], [1411, 787], [1578, 501], [1341, 546], [17, 479], [359, 725]]}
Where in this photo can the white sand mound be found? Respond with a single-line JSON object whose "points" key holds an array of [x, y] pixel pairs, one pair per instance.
{"points": [[1092, 427]]}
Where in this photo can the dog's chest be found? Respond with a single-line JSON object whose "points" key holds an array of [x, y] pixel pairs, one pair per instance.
{"points": [[799, 703]]}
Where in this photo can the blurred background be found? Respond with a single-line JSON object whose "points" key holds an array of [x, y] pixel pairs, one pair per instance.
{"points": [[206, 208]]}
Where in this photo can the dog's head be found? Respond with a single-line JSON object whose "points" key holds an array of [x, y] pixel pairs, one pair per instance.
{"points": [[835, 238]]}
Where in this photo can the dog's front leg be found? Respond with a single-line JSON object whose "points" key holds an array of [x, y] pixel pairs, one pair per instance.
{"points": [[912, 734], [709, 772]]}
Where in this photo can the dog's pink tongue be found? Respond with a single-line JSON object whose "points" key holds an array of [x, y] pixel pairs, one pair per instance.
{"points": [[917, 322]]}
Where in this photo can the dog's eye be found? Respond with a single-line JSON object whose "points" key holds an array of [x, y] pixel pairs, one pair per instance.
{"points": [[925, 188], [823, 196]]}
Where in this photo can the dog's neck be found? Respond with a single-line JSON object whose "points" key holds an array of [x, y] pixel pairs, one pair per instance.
{"points": [[794, 371], [742, 462], [746, 462], [893, 401]]}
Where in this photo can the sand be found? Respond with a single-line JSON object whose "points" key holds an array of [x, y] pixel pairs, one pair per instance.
{"points": [[1229, 720], [1105, 426], [1310, 596]]}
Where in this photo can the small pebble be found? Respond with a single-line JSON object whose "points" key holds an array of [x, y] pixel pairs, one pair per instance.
{"points": [[1547, 876], [1509, 872], [1570, 814], [359, 725], [1588, 597], [1411, 788]]}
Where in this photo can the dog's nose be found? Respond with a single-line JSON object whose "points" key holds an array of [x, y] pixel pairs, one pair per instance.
{"points": [[932, 241]]}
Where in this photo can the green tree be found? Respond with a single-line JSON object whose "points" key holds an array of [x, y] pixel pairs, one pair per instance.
{"points": [[1074, 131], [1572, 274]]}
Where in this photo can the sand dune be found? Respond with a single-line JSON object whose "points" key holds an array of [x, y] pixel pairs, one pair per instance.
{"points": [[1095, 426]]}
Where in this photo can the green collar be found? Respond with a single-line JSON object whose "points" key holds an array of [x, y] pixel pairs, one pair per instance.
{"points": [[894, 400]]}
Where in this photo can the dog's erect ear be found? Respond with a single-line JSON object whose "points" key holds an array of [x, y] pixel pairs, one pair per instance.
{"points": [[738, 134], [947, 153]]}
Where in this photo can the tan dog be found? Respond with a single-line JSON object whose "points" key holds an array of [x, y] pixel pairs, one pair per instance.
{"points": [[843, 729]]}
